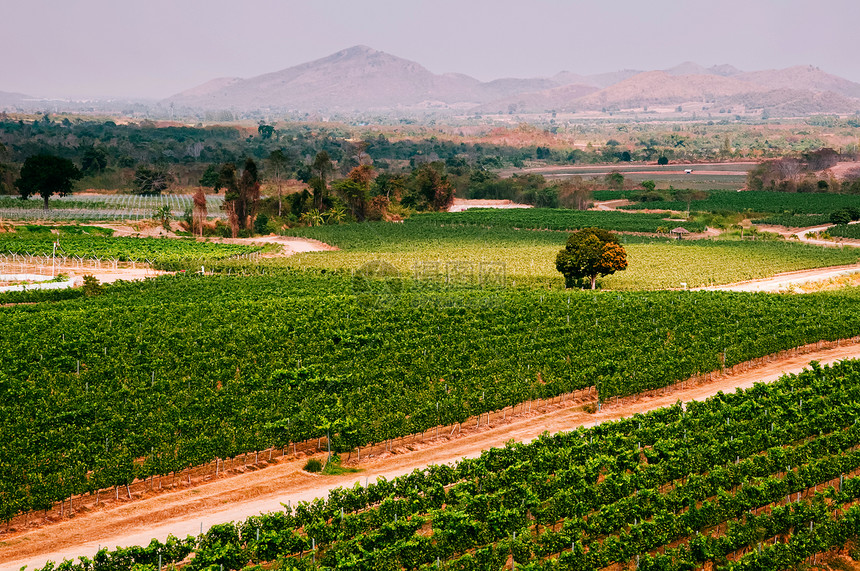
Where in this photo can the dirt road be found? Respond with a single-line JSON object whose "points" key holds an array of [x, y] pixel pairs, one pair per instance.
{"points": [[461, 204], [190, 510], [784, 281]]}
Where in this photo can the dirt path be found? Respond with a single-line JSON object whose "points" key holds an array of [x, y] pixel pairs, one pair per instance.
{"points": [[461, 204], [190, 510], [612, 205], [785, 281]]}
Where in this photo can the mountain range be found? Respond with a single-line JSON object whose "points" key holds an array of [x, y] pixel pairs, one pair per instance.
{"points": [[360, 79]]}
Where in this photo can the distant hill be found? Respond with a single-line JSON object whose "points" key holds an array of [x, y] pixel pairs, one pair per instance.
{"points": [[562, 98], [804, 77], [10, 100], [361, 79], [661, 88]]}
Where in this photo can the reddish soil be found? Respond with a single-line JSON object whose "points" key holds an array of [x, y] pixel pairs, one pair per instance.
{"points": [[185, 509]]}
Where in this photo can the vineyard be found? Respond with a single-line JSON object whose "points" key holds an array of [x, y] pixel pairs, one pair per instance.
{"points": [[556, 219], [103, 207], [154, 377], [759, 479], [529, 256], [757, 201], [850, 231], [28, 245]]}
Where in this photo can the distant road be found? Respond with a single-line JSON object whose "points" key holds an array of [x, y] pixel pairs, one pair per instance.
{"points": [[732, 168]]}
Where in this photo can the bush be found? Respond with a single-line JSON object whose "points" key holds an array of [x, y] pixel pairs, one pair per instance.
{"points": [[92, 286], [841, 216], [313, 465]]}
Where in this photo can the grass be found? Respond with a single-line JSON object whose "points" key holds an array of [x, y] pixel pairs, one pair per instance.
{"points": [[333, 467]]}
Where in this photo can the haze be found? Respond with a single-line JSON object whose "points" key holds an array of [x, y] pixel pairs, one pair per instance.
{"points": [[153, 49]]}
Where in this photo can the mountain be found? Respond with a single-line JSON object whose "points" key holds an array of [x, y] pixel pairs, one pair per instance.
{"points": [[563, 98], [358, 78], [805, 77], [10, 101], [652, 88], [687, 68], [361, 79]]}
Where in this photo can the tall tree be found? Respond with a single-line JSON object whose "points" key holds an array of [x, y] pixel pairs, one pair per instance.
{"points": [[322, 168], [430, 184], [46, 175], [355, 190], [278, 166], [241, 196], [589, 253], [200, 212], [227, 181], [249, 194]]}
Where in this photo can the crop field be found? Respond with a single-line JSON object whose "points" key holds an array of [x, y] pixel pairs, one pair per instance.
{"points": [[715, 176], [795, 220], [121, 249], [528, 257], [183, 360], [851, 231], [759, 202], [759, 479], [90, 207], [555, 219]]}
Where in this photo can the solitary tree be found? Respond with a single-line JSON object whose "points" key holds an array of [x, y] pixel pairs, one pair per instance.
{"points": [[589, 253], [278, 165], [46, 175]]}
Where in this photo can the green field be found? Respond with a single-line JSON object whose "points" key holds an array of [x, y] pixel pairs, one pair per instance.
{"points": [[310, 348], [529, 256], [96, 243], [761, 479], [665, 176], [850, 231], [758, 202]]}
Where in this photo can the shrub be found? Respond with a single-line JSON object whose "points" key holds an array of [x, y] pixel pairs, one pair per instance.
{"points": [[313, 465]]}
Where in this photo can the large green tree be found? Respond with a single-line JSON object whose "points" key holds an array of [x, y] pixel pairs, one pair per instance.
{"points": [[46, 175], [589, 253]]}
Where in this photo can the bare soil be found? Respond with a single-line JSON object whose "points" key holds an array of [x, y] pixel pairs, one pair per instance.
{"points": [[188, 509], [461, 204], [789, 280]]}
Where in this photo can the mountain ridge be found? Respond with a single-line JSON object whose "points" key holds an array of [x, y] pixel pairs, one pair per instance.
{"points": [[361, 79]]}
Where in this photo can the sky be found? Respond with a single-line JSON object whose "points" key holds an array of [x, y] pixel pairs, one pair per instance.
{"points": [[156, 48]]}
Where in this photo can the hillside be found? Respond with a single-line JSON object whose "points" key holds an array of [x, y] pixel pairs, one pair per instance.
{"points": [[9, 100], [360, 79]]}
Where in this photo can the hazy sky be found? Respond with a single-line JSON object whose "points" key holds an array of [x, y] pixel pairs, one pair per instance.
{"points": [[155, 48]]}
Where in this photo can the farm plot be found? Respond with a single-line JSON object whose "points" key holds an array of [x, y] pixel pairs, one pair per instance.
{"points": [[30, 246], [759, 479], [151, 378], [528, 257], [778, 203], [93, 207]]}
